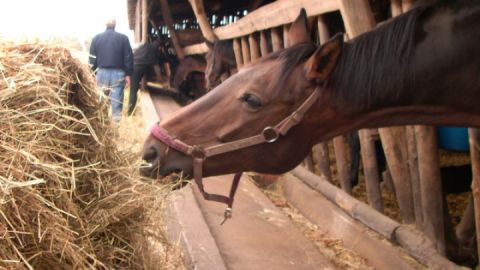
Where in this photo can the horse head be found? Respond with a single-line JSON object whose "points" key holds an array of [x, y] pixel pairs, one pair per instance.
{"points": [[257, 102]]}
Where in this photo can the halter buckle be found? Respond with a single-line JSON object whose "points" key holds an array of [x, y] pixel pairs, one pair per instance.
{"points": [[270, 134], [198, 152]]}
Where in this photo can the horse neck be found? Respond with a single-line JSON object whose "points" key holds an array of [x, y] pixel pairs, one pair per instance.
{"points": [[412, 72]]}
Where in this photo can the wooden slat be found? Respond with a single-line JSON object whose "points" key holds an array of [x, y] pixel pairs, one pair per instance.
{"points": [[276, 39], [254, 47], [431, 185], [263, 43], [144, 37], [237, 49], [245, 50], [200, 14], [475, 157], [323, 32], [200, 48], [340, 147], [370, 170], [357, 16], [275, 14], [286, 43], [167, 17]]}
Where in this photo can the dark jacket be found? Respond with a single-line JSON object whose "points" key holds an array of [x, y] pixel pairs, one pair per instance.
{"points": [[111, 50]]}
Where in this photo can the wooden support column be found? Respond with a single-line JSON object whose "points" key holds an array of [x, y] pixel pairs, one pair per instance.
{"points": [[144, 37], [323, 32], [407, 4], [286, 44], [321, 155], [237, 49], [254, 47], [340, 147], [357, 16], [167, 18], [245, 51], [370, 169], [395, 148], [412, 160], [475, 157], [200, 14], [396, 7], [263, 43], [431, 185], [138, 22], [276, 39]]}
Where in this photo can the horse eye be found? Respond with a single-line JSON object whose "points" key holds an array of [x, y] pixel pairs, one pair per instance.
{"points": [[252, 101]]}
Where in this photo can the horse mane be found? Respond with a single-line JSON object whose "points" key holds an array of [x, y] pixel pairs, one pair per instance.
{"points": [[225, 48], [374, 68]]}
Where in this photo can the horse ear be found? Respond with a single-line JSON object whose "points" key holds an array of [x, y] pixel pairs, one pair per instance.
{"points": [[298, 32], [324, 60]]}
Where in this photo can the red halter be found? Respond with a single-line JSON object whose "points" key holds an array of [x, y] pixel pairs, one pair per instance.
{"points": [[200, 153]]}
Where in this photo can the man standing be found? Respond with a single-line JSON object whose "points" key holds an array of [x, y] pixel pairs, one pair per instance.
{"points": [[111, 53]]}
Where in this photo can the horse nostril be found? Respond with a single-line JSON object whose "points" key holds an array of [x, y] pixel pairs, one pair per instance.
{"points": [[150, 154]]}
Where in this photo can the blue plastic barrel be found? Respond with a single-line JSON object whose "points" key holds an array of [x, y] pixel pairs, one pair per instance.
{"points": [[453, 138]]}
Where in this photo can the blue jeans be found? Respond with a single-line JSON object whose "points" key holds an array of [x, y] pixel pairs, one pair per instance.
{"points": [[112, 81]]}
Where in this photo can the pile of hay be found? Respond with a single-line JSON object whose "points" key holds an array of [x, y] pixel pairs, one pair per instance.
{"points": [[68, 198]]}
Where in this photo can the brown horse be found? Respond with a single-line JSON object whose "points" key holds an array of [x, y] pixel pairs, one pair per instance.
{"points": [[421, 68]]}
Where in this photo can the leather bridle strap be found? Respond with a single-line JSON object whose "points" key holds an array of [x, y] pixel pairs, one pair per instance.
{"points": [[199, 153]]}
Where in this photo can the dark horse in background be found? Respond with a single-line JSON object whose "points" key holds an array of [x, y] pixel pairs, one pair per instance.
{"points": [[220, 62], [423, 67]]}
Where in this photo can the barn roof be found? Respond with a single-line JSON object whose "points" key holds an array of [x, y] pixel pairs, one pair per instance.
{"points": [[182, 10]]}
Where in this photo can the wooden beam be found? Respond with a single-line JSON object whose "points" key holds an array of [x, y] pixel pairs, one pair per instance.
{"points": [[412, 160], [396, 7], [272, 15], [286, 43], [138, 22], [323, 32], [200, 14], [340, 147], [263, 43], [475, 157], [167, 17], [370, 170], [237, 49], [321, 154], [245, 50], [276, 39], [200, 48], [431, 185], [357, 16], [144, 37], [395, 148], [254, 47]]}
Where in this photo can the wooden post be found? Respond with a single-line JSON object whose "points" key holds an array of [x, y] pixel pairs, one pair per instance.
{"points": [[263, 43], [254, 47], [323, 33], [167, 18], [200, 14], [475, 157], [321, 154], [144, 37], [395, 148], [370, 170], [431, 185], [138, 22], [340, 147], [286, 44], [357, 16], [237, 49], [412, 159], [245, 51], [276, 39], [407, 4], [396, 7]]}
